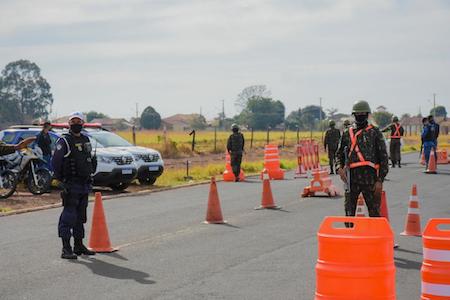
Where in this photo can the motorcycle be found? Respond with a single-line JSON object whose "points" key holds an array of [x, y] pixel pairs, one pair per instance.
{"points": [[24, 166]]}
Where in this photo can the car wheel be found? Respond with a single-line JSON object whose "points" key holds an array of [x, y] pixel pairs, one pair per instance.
{"points": [[120, 186], [147, 180]]}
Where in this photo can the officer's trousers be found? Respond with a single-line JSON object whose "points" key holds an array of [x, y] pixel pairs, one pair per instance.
{"points": [[373, 201], [427, 148], [331, 157], [73, 216], [394, 150], [236, 160]]}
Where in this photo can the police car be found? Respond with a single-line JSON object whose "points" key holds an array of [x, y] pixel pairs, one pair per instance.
{"points": [[116, 168]]}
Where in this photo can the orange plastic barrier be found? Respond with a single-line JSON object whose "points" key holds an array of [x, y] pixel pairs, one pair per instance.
{"points": [[355, 263], [412, 224], [442, 157], [301, 170], [214, 211], [228, 174], [436, 260], [272, 163], [360, 207], [321, 183], [99, 238]]}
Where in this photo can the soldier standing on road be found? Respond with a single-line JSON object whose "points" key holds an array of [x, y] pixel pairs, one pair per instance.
{"points": [[74, 165], [331, 141], [397, 132], [367, 163], [235, 147]]}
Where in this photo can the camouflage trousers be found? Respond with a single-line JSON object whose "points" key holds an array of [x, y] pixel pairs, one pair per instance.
{"points": [[236, 160], [394, 150], [373, 201], [331, 157]]}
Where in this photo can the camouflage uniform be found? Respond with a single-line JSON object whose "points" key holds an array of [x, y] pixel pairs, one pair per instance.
{"points": [[331, 141], [363, 178], [235, 147], [6, 149], [397, 132]]}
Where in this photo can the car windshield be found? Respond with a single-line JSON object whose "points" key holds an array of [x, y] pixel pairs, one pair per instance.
{"points": [[109, 139]]}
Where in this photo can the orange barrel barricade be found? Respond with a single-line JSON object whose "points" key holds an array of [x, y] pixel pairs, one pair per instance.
{"points": [[355, 263], [436, 260], [228, 174], [272, 163], [442, 157]]}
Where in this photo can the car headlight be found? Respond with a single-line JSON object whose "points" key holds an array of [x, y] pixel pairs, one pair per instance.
{"points": [[137, 157], [105, 159]]}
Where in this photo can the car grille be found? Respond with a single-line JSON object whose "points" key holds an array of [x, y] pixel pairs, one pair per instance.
{"points": [[123, 160], [149, 157]]}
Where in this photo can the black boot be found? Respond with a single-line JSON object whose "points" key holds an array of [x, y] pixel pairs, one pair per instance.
{"points": [[80, 249], [399, 164], [331, 170], [393, 164], [67, 252]]}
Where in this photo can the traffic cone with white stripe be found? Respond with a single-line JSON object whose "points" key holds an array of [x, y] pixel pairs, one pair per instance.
{"points": [[431, 163], [412, 225], [360, 207]]}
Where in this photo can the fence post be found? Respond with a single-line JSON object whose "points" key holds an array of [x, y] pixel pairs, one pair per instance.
{"points": [[298, 134], [133, 129], [215, 139], [193, 139], [251, 139], [268, 130]]}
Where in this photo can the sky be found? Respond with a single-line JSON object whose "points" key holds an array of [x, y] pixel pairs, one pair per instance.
{"points": [[184, 56]]}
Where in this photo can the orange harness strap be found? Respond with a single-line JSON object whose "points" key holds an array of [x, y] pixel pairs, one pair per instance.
{"points": [[354, 147], [396, 134]]}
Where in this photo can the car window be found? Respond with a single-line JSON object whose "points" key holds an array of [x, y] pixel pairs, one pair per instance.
{"points": [[8, 137], [109, 139]]}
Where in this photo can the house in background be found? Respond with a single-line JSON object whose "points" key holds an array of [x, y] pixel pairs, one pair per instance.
{"points": [[413, 125], [113, 124], [178, 122]]}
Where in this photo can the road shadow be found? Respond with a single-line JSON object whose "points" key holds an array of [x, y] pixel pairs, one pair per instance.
{"points": [[104, 269], [115, 255], [407, 264], [407, 251]]}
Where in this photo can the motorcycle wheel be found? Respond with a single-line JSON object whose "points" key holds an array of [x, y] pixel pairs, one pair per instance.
{"points": [[44, 179], [9, 184]]}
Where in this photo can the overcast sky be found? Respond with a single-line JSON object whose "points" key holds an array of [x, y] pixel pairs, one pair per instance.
{"points": [[180, 55]]}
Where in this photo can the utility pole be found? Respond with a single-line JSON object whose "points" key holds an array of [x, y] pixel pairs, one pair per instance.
{"points": [[320, 117], [223, 114]]}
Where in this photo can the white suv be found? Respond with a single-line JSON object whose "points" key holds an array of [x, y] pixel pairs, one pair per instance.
{"points": [[149, 162]]}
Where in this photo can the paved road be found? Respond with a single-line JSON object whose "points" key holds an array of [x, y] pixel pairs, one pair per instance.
{"points": [[168, 253]]}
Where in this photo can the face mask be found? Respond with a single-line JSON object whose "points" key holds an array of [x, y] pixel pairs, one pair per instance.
{"points": [[76, 128], [361, 119]]}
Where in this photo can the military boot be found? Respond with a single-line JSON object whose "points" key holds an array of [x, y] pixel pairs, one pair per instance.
{"points": [[80, 249], [67, 252], [399, 164]]}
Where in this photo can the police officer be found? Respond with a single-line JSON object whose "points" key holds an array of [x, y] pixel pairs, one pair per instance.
{"points": [[397, 132], [346, 124], [367, 161], [73, 165], [235, 147], [331, 141], [430, 134]]}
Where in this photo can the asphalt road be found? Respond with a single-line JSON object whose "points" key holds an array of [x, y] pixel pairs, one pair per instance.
{"points": [[167, 253]]}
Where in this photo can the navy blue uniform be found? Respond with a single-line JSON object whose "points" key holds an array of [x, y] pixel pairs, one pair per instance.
{"points": [[73, 165]]}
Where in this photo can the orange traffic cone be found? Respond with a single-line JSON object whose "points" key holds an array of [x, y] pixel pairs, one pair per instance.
{"points": [[412, 225], [384, 211], [99, 239], [360, 207], [214, 211], [267, 197], [431, 163]]}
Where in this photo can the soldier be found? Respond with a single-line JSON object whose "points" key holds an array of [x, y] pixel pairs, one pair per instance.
{"points": [[73, 165], [331, 140], [397, 132], [367, 161], [235, 147]]}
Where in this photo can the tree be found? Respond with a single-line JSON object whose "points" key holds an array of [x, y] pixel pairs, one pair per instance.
{"points": [[198, 122], [293, 120], [150, 118], [332, 112], [253, 91], [311, 114], [261, 113], [382, 118], [439, 111], [9, 111], [94, 115], [24, 85]]}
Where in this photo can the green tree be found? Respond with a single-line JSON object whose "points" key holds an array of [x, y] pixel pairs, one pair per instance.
{"points": [[24, 85], [311, 114], [94, 115], [198, 122], [261, 113], [150, 118], [382, 118], [294, 120], [9, 111], [251, 92], [439, 111]]}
